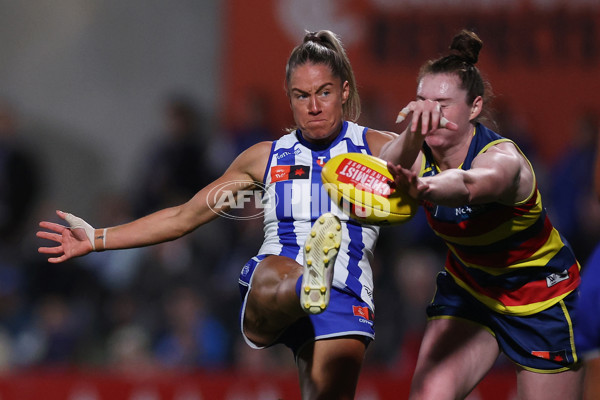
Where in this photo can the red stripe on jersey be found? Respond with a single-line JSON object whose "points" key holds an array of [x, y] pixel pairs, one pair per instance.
{"points": [[483, 223], [502, 259], [531, 292]]}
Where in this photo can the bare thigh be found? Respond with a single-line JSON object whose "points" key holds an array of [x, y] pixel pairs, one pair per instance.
{"points": [[272, 303], [329, 369], [455, 355], [567, 385]]}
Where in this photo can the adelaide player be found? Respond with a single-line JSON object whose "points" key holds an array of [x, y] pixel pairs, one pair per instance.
{"points": [[511, 280], [296, 291]]}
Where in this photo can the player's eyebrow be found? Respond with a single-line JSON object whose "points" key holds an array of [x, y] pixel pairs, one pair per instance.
{"points": [[323, 86], [439, 99]]}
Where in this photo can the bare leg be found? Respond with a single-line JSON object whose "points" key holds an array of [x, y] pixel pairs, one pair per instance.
{"points": [[272, 303], [455, 355], [592, 378], [329, 369], [567, 385]]}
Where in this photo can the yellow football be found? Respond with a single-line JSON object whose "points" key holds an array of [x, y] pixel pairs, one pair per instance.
{"points": [[358, 184]]}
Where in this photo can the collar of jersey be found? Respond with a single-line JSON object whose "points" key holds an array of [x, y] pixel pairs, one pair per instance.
{"points": [[320, 147]]}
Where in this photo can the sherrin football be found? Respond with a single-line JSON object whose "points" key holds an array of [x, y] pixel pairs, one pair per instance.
{"points": [[358, 184]]}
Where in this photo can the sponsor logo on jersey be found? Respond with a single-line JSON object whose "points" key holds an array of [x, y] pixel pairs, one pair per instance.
{"points": [[557, 356], [286, 172], [321, 161], [553, 279], [288, 153], [363, 312]]}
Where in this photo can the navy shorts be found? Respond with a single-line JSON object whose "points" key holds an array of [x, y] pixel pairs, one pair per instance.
{"points": [[346, 315], [541, 342]]}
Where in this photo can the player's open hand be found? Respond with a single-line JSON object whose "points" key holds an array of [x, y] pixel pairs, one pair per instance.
{"points": [[72, 241], [427, 116], [407, 181]]}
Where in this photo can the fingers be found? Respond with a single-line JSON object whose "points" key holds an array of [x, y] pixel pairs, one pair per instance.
{"points": [[58, 228], [392, 168], [51, 250], [394, 171], [49, 235], [55, 250], [429, 116], [53, 232], [403, 114]]}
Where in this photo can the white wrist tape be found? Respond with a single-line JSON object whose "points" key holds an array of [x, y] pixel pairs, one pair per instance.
{"points": [[76, 222]]}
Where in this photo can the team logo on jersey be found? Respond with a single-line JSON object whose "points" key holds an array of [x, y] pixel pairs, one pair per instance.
{"points": [[286, 172]]}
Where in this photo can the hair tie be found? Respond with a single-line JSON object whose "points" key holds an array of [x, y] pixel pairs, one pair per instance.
{"points": [[312, 37]]}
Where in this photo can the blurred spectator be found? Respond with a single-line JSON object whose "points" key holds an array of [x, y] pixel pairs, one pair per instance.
{"points": [[129, 350], [177, 165], [19, 191], [571, 193], [247, 360], [415, 272], [52, 336], [19, 180], [515, 125], [116, 271], [193, 337], [252, 124]]}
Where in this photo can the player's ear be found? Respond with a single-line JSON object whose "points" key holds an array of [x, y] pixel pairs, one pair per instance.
{"points": [[345, 92], [476, 107]]}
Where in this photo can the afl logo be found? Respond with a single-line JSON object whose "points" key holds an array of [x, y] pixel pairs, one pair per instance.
{"points": [[227, 199]]}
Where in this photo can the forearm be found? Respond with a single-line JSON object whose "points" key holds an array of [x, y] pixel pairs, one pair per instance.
{"points": [[403, 150], [162, 226], [448, 188]]}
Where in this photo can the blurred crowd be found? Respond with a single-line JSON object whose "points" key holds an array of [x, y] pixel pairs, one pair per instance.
{"points": [[176, 305]]}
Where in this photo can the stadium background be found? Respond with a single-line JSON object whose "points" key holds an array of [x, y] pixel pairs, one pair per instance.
{"points": [[88, 82]]}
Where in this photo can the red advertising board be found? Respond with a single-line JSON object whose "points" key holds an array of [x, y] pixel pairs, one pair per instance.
{"points": [[224, 385], [542, 58]]}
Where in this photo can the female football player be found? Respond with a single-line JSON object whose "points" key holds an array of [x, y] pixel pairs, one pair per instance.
{"points": [[295, 291], [510, 280]]}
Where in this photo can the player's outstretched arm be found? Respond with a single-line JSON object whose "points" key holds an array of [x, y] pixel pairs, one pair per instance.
{"points": [[80, 238], [426, 117], [501, 174]]}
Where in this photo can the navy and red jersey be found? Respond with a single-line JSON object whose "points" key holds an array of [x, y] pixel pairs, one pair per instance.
{"points": [[509, 257]]}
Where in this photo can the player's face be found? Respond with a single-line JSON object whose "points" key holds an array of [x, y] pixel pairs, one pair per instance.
{"points": [[445, 89], [316, 97]]}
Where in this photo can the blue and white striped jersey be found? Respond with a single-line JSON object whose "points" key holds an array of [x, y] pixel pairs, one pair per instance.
{"points": [[295, 198]]}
